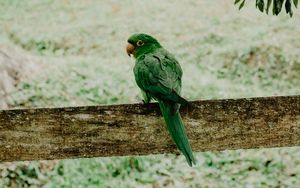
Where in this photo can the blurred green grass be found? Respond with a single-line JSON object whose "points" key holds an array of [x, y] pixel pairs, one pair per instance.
{"points": [[224, 53]]}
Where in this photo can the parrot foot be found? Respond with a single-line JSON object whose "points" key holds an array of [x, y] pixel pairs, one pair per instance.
{"points": [[145, 102]]}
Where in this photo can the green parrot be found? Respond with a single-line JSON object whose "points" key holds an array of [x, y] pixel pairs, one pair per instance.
{"points": [[158, 75]]}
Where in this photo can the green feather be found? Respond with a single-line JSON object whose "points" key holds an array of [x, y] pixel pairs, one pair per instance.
{"points": [[176, 129]]}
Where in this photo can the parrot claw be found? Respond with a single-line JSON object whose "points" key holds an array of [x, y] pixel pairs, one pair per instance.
{"points": [[145, 102]]}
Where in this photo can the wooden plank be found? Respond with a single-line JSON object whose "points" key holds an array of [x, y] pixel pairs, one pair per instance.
{"points": [[137, 129]]}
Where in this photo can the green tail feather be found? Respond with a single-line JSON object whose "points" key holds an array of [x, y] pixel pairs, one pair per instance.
{"points": [[176, 130]]}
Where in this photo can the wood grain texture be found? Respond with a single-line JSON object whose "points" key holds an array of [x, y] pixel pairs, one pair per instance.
{"points": [[137, 129]]}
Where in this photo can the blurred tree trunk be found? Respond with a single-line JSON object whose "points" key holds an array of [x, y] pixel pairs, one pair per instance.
{"points": [[15, 65]]}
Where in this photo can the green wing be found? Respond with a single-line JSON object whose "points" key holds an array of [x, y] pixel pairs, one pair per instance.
{"points": [[159, 75]]}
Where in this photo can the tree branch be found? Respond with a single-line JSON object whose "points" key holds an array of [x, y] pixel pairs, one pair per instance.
{"points": [[137, 129]]}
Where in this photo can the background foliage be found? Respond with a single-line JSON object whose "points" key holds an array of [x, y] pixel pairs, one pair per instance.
{"points": [[276, 5], [224, 53]]}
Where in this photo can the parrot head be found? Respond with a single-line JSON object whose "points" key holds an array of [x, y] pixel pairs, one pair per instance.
{"points": [[140, 43]]}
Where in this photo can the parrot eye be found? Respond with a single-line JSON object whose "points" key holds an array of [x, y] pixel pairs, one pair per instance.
{"points": [[139, 43]]}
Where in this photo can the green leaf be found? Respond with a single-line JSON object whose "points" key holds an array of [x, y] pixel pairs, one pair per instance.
{"points": [[288, 7], [280, 4], [296, 3], [277, 5], [242, 5], [236, 1], [260, 4], [268, 6], [291, 13], [274, 6]]}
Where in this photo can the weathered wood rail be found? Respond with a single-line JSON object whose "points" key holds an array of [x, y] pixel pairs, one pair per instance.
{"points": [[137, 129]]}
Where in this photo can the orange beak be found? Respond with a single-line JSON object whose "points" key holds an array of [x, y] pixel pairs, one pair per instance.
{"points": [[130, 49]]}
